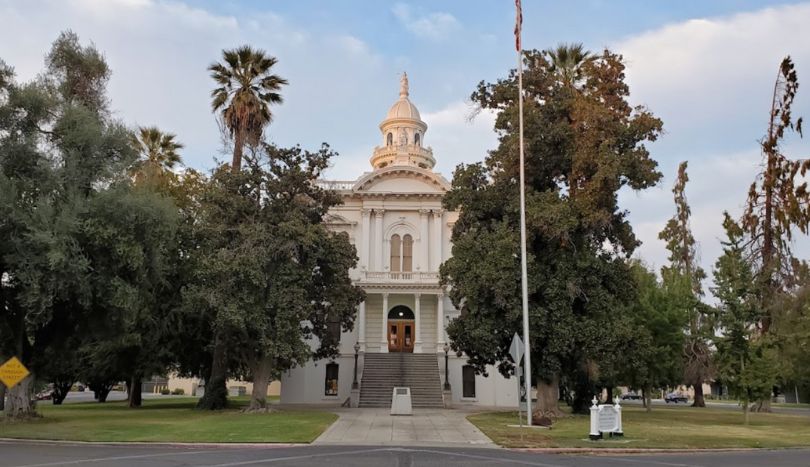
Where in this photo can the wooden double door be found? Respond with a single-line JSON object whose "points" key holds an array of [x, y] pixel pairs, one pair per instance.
{"points": [[401, 334]]}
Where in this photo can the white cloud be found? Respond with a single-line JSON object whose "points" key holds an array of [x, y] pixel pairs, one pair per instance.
{"points": [[711, 80], [457, 134], [159, 52], [436, 25]]}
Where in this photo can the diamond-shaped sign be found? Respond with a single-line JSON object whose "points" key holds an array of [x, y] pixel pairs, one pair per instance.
{"points": [[12, 372], [516, 349]]}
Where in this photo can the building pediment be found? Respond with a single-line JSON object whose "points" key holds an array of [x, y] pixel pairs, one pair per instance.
{"points": [[402, 180]]}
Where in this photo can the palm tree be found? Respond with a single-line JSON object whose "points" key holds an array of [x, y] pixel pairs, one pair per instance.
{"points": [[567, 61], [157, 151], [246, 90]]}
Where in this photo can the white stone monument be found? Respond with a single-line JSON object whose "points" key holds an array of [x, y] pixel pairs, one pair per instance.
{"points": [[401, 401], [605, 418]]}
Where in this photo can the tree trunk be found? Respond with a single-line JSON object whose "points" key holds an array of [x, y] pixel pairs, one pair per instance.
{"points": [[3, 396], [548, 397], [236, 163], [20, 400], [60, 391], [261, 379], [699, 400], [216, 394], [135, 392], [610, 394], [646, 395], [764, 405], [746, 410]]}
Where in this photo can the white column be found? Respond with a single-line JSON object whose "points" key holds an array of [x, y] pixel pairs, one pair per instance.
{"points": [[365, 239], [440, 322], [384, 338], [423, 240], [378, 240], [438, 215], [417, 345], [361, 328]]}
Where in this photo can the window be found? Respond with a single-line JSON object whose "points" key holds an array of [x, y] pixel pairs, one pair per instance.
{"points": [[467, 381], [416, 139], [332, 370], [407, 253], [389, 140], [396, 251]]}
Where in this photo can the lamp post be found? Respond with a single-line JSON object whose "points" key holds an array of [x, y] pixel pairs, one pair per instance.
{"points": [[446, 367], [356, 350]]}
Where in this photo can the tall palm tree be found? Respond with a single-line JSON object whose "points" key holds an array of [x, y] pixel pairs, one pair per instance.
{"points": [[567, 61], [158, 153], [246, 89]]}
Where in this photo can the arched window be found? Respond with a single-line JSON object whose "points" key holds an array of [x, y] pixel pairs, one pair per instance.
{"points": [[407, 253], [416, 139], [331, 380], [396, 251], [400, 312], [389, 140]]}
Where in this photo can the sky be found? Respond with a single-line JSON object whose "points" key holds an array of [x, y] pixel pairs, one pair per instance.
{"points": [[705, 67]]}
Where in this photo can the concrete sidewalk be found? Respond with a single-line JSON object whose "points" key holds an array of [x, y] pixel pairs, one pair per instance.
{"points": [[426, 427]]}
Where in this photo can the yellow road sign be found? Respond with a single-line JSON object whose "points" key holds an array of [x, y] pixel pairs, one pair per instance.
{"points": [[12, 372]]}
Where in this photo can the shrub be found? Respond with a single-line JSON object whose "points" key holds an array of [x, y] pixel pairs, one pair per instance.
{"points": [[165, 391], [178, 392]]}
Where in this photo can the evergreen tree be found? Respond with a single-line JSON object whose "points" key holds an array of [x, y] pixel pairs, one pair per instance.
{"points": [[685, 276], [746, 356]]}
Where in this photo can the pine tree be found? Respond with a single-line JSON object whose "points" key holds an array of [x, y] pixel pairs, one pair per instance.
{"points": [[684, 269]]}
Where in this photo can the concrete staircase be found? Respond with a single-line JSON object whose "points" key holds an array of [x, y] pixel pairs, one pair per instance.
{"points": [[383, 371]]}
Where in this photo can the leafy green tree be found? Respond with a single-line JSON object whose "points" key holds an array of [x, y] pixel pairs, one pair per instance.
{"points": [[683, 270], [58, 150], [82, 251], [583, 144], [246, 90], [267, 264], [745, 355], [791, 329], [650, 359]]}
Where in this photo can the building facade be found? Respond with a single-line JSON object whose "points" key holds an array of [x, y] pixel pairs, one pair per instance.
{"points": [[394, 217]]}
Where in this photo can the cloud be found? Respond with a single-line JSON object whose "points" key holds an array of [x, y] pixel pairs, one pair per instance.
{"points": [[458, 134], [159, 52], [711, 80], [436, 25]]}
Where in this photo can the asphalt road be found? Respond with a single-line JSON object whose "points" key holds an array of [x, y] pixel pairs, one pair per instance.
{"points": [[14, 454]]}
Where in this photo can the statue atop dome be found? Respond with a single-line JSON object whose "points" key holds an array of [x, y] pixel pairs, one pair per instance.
{"points": [[403, 85]]}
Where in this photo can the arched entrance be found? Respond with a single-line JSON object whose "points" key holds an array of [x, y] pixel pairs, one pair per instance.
{"points": [[401, 329]]}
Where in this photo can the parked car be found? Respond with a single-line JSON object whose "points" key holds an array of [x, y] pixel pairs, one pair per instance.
{"points": [[675, 397], [631, 396], [44, 395]]}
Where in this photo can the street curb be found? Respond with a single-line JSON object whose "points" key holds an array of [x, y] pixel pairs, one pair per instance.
{"points": [[151, 443], [610, 451]]}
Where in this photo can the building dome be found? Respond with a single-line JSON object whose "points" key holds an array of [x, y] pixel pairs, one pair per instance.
{"points": [[403, 133], [403, 109]]}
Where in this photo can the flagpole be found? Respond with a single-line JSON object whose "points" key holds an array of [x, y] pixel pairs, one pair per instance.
{"points": [[527, 362]]}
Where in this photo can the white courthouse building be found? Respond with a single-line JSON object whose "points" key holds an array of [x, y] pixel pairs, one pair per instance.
{"points": [[394, 217]]}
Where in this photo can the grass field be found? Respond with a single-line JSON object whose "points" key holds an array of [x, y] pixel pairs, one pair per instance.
{"points": [[672, 428], [171, 420]]}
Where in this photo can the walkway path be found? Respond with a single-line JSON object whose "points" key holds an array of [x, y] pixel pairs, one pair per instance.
{"points": [[426, 427]]}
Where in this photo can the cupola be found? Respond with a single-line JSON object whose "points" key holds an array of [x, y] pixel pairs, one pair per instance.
{"points": [[403, 133]]}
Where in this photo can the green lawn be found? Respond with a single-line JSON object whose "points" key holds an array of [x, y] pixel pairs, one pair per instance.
{"points": [[171, 419], [671, 428]]}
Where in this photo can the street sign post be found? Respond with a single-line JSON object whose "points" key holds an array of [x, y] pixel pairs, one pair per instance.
{"points": [[12, 372], [516, 350]]}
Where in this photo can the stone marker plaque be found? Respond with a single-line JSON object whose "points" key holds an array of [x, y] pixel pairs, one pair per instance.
{"points": [[608, 419]]}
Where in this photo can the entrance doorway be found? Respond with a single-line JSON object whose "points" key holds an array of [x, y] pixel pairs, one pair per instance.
{"points": [[401, 329]]}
